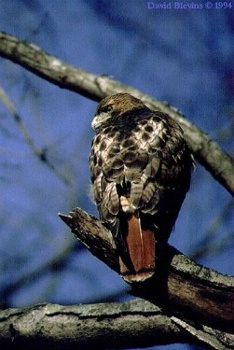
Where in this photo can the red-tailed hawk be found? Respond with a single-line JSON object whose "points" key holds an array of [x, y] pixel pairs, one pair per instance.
{"points": [[140, 171]]}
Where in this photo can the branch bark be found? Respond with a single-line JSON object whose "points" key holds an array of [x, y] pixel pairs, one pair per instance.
{"points": [[207, 152], [134, 324], [179, 284], [138, 323]]}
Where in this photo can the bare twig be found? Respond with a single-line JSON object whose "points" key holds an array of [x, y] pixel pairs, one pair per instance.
{"points": [[206, 246], [41, 154], [58, 259]]}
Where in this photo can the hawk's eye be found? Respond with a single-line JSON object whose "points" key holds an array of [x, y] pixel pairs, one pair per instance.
{"points": [[107, 109]]}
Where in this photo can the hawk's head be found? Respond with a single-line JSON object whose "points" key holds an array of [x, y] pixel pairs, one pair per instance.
{"points": [[113, 106]]}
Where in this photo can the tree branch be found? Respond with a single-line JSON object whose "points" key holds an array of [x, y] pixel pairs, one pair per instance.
{"points": [[180, 286], [134, 324], [195, 306], [31, 57]]}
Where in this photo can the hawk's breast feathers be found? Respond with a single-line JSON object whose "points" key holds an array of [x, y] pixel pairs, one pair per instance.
{"points": [[140, 170]]}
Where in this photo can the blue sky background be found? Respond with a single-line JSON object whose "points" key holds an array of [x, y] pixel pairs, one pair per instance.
{"points": [[183, 56]]}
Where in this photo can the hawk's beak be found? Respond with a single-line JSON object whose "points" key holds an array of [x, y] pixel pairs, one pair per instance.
{"points": [[100, 119]]}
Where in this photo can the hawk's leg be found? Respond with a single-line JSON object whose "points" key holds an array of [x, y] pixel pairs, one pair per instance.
{"points": [[119, 231]]}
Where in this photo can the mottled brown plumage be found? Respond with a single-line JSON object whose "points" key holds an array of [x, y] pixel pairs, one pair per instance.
{"points": [[140, 170]]}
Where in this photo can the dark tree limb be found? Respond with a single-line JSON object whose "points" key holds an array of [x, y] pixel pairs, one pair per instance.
{"points": [[180, 286], [206, 151], [138, 323], [133, 324]]}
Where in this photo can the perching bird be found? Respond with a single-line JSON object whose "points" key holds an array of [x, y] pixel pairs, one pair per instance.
{"points": [[140, 171]]}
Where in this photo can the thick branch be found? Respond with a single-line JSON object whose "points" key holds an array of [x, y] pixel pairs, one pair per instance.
{"points": [[180, 285], [206, 151], [138, 323], [99, 326]]}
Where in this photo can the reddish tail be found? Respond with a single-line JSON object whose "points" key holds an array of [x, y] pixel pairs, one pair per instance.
{"points": [[141, 248]]}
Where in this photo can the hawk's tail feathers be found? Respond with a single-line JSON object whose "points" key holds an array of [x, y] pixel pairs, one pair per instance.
{"points": [[141, 251]]}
